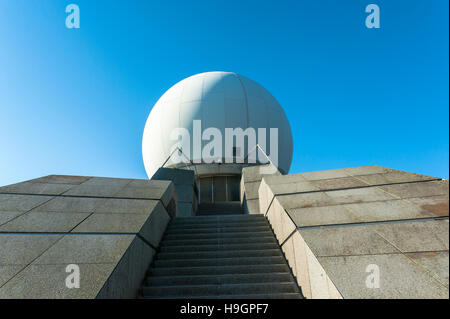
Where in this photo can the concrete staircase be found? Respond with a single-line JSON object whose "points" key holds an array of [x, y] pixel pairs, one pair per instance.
{"points": [[221, 256]]}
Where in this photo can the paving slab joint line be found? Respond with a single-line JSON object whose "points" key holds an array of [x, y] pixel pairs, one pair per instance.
{"points": [[357, 187], [22, 269], [426, 219], [15, 217]]}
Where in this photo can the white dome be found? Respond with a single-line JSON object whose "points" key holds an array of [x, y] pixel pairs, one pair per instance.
{"points": [[221, 100]]}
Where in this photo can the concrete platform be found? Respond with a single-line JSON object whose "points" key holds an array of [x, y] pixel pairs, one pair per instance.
{"points": [[109, 227], [332, 225]]}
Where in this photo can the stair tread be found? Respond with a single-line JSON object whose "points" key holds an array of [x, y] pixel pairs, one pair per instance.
{"points": [[234, 285], [287, 295], [237, 288]]}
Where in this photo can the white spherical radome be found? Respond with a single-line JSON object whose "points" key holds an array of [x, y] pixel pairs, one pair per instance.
{"points": [[220, 100]]}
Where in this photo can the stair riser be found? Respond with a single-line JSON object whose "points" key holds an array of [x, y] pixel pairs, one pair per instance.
{"points": [[213, 230], [219, 262], [219, 254], [240, 297], [182, 271], [218, 280], [220, 289], [183, 226], [199, 242], [224, 247], [219, 219], [265, 233], [222, 213]]}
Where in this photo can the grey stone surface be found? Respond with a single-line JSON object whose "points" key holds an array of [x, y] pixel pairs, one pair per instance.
{"points": [[8, 271], [254, 173], [7, 216], [338, 183], [150, 225], [349, 218], [148, 190], [185, 189], [436, 205], [435, 262], [86, 248], [185, 209], [324, 215], [366, 170], [49, 282], [399, 277], [44, 222], [291, 188], [304, 200], [107, 181], [61, 179], [95, 190], [251, 190], [36, 188], [284, 179], [393, 177], [112, 223], [328, 174], [386, 211], [252, 206], [126, 278], [420, 189], [110, 241], [177, 176], [22, 203], [416, 236], [346, 241], [70, 205], [21, 250], [185, 193], [250, 185], [359, 195], [126, 206]]}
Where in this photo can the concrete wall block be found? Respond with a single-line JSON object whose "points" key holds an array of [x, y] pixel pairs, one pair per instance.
{"points": [[252, 206], [127, 276], [185, 209], [300, 264], [318, 278]]}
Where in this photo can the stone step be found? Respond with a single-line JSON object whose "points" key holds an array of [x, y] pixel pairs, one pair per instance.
{"points": [[219, 212], [218, 254], [211, 262], [218, 280], [219, 270], [207, 230], [243, 297], [220, 205], [216, 235], [178, 226], [222, 247], [218, 241], [217, 218], [214, 290]]}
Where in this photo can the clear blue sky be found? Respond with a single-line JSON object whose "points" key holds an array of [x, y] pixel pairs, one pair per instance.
{"points": [[75, 101]]}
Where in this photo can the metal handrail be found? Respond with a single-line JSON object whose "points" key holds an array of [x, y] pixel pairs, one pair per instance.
{"points": [[265, 154], [182, 153], [257, 146]]}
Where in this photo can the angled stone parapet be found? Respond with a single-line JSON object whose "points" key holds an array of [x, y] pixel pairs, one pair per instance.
{"points": [[186, 188], [109, 228], [250, 181], [340, 229]]}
